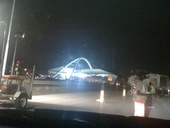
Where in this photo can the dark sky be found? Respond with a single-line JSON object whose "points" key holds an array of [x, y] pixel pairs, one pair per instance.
{"points": [[133, 33]]}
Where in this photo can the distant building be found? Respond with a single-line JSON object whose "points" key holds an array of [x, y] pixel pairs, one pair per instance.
{"points": [[72, 72]]}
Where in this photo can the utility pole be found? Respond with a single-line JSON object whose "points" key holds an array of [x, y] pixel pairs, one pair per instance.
{"points": [[3, 47], [13, 61], [15, 49], [7, 43]]}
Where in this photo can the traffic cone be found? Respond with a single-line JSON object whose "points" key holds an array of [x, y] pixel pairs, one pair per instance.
{"points": [[124, 92], [101, 97]]}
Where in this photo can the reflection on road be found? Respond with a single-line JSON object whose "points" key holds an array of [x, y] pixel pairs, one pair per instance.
{"points": [[84, 99]]}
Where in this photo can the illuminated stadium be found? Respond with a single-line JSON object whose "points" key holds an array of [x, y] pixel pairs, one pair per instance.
{"points": [[76, 71]]}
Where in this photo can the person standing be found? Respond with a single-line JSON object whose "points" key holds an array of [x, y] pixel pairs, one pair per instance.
{"points": [[149, 95]]}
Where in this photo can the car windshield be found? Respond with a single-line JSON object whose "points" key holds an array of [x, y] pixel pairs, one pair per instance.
{"points": [[102, 56]]}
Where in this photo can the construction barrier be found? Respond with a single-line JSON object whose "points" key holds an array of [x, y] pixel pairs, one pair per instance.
{"points": [[139, 109]]}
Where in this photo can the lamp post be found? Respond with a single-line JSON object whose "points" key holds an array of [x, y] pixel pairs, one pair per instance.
{"points": [[7, 43], [3, 47], [15, 49]]}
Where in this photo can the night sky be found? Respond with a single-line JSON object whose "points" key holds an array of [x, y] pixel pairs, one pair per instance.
{"points": [[118, 34]]}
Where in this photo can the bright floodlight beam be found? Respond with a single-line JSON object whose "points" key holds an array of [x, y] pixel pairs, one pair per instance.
{"points": [[7, 43]]}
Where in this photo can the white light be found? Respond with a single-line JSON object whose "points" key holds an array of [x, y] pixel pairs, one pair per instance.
{"points": [[23, 35], [139, 109], [81, 75], [68, 70]]}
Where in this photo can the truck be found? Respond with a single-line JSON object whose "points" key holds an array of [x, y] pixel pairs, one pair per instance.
{"points": [[161, 82], [16, 89]]}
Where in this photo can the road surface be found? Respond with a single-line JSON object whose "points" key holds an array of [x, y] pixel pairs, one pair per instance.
{"points": [[82, 97]]}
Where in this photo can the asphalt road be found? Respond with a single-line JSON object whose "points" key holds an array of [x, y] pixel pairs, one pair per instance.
{"points": [[82, 97]]}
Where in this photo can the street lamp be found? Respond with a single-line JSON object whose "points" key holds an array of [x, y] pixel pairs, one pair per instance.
{"points": [[13, 61]]}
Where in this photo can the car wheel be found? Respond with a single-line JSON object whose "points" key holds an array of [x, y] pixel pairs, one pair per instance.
{"points": [[21, 102]]}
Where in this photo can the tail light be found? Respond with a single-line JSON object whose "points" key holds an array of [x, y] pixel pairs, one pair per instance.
{"points": [[4, 89]]}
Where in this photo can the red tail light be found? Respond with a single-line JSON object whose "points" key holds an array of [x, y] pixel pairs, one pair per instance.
{"points": [[4, 89]]}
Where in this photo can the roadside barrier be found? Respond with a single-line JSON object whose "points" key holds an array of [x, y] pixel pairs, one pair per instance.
{"points": [[139, 109]]}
